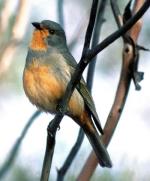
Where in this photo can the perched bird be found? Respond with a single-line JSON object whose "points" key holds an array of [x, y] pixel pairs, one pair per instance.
{"points": [[48, 69]]}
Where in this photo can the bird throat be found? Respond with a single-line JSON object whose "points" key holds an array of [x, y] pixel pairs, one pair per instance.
{"points": [[37, 43]]}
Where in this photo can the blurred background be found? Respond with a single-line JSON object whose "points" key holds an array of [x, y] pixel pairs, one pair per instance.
{"points": [[130, 146]]}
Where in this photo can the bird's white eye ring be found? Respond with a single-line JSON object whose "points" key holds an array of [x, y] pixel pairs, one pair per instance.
{"points": [[52, 32]]}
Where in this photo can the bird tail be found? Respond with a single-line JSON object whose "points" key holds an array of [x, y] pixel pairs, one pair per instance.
{"points": [[96, 143]]}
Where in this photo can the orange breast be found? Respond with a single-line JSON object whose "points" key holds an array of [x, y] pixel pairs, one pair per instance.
{"points": [[42, 87]]}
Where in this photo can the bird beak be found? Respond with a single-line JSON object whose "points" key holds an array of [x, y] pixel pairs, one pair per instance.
{"points": [[37, 25]]}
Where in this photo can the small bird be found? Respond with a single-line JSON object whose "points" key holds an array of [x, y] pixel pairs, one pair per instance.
{"points": [[48, 69]]}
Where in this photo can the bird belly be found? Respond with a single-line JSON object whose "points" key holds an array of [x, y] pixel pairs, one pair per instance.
{"points": [[44, 89]]}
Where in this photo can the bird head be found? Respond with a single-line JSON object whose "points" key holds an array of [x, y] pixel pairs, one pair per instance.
{"points": [[47, 34]]}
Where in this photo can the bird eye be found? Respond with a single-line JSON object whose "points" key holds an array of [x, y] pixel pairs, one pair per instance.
{"points": [[52, 32]]}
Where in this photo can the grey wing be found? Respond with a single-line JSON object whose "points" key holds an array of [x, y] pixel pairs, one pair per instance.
{"points": [[83, 90], [70, 59]]}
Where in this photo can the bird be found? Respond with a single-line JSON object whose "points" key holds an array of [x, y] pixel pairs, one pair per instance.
{"points": [[47, 72]]}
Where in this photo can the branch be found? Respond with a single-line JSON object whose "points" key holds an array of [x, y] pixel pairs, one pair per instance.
{"points": [[60, 12], [14, 151], [63, 170], [116, 13], [97, 30], [120, 98], [50, 145], [90, 27], [134, 32], [54, 124]]}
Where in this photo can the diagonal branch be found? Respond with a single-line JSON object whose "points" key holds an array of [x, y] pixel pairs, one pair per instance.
{"points": [[90, 27]]}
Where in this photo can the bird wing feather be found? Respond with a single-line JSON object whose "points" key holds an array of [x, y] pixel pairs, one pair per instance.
{"points": [[83, 90]]}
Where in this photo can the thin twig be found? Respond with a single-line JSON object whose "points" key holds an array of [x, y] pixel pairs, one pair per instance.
{"points": [[50, 145], [90, 27], [116, 13], [63, 170], [14, 151], [60, 13], [95, 40]]}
